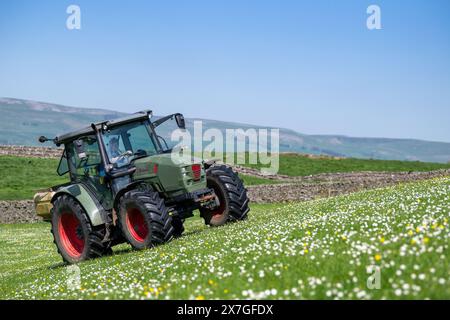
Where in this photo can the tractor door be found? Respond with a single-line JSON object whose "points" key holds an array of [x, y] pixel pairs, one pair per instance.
{"points": [[85, 166]]}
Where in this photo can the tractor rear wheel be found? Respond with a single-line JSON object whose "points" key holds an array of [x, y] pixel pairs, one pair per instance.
{"points": [[232, 195], [144, 219], [75, 237]]}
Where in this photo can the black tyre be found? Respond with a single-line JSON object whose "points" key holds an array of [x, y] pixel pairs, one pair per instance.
{"points": [[144, 219], [75, 237], [231, 193]]}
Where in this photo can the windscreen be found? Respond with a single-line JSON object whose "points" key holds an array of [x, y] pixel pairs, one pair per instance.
{"points": [[133, 137], [164, 132]]}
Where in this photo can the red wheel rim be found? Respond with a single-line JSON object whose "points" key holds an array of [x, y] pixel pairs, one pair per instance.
{"points": [[221, 208], [136, 224], [71, 234]]}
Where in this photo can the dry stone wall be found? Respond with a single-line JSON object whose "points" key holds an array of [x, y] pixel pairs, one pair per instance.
{"points": [[35, 152]]}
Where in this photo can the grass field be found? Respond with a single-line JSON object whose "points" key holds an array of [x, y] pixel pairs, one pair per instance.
{"points": [[318, 249], [21, 177], [299, 165]]}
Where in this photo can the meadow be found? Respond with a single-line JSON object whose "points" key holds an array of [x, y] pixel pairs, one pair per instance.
{"points": [[21, 177], [321, 249], [292, 164]]}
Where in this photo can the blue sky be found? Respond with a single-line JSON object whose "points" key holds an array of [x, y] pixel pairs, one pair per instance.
{"points": [[311, 66]]}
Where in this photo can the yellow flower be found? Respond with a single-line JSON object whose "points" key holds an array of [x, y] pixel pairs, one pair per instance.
{"points": [[308, 233], [417, 229], [344, 238], [225, 291], [305, 251], [200, 298], [410, 232], [413, 241], [210, 282], [377, 257], [426, 240], [382, 239]]}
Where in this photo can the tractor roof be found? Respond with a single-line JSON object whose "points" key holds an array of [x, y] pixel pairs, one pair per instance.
{"points": [[70, 136]]}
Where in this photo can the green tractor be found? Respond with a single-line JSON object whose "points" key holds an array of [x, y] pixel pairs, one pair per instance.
{"points": [[125, 186]]}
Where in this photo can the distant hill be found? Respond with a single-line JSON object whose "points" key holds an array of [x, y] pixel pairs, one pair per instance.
{"points": [[22, 121]]}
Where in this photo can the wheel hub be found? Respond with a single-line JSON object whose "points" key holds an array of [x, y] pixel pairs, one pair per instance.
{"points": [[136, 224]]}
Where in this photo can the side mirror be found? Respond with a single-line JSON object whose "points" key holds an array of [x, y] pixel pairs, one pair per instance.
{"points": [[43, 139], [180, 121], [79, 147]]}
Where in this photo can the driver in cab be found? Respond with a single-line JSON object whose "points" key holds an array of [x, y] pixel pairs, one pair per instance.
{"points": [[115, 154]]}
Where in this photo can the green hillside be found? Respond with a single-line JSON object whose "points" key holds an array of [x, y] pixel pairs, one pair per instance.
{"points": [[23, 121], [319, 249]]}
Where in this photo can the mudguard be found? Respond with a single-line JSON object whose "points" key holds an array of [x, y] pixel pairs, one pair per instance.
{"points": [[93, 208], [128, 187]]}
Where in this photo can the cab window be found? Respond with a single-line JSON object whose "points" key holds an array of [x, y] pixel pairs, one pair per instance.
{"points": [[63, 167], [133, 137], [83, 157]]}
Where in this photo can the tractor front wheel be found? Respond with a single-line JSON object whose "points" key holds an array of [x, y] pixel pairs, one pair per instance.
{"points": [[73, 233], [232, 195], [144, 219]]}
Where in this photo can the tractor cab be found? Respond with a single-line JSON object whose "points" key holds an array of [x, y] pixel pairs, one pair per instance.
{"points": [[110, 151]]}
